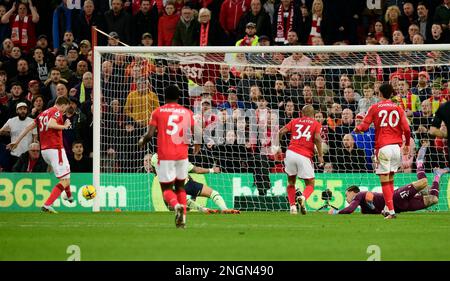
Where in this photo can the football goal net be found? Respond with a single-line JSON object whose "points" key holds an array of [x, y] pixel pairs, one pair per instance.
{"points": [[242, 96]]}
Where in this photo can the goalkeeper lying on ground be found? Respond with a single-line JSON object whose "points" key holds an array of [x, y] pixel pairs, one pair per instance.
{"points": [[195, 189], [408, 198]]}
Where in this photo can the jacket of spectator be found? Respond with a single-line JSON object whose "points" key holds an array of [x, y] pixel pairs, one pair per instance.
{"points": [[62, 22], [140, 106], [166, 29], [120, 23], [143, 23], [262, 21], [231, 12], [82, 25], [442, 14], [186, 34], [22, 164]]}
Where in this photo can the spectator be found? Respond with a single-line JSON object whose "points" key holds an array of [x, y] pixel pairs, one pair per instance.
{"points": [[79, 163], [187, 30], [17, 97], [226, 79], [232, 101], [296, 63], [62, 65], [40, 66], [167, 24], [231, 12], [368, 100], [84, 21], [49, 90], [42, 43], [31, 161], [23, 30], [422, 122], [258, 16], [442, 15], [145, 21], [113, 39], [351, 159], [80, 70], [10, 64], [410, 101], [23, 74], [146, 40], [67, 44], [349, 100], [84, 88], [176, 75], [14, 127], [38, 106], [379, 30], [365, 141], [408, 18], [361, 77], [283, 21], [33, 89], [398, 38], [292, 38], [302, 25], [424, 21], [119, 21], [418, 39], [413, 29], [250, 38], [141, 103], [61, 90], [85, 47], [62, 22], [316, 21], [422, 88], [3, 95], [324, 96], [436, 98], [437, 35], [5, 29], [391, 18], [210, 34]]}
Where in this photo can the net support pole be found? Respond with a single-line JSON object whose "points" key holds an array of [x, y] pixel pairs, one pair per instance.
{"points": [[96, 124]]}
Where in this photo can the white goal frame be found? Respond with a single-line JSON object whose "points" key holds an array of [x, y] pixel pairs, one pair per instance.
{"points": [[98, 51]]}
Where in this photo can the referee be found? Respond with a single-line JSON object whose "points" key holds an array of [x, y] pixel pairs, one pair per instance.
{"points": [[442, 114]]}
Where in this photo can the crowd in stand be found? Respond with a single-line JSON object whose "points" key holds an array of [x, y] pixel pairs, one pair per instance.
{"points": [[46, 53]]}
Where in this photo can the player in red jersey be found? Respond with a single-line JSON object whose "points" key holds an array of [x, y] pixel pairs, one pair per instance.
{"points": [[390, 126], [305, 133], [50, 124], [172, 121]]}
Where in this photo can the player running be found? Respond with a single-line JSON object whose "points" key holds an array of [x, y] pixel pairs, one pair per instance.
{"points": [[406, 199], [50, 125], [305, 133], [195, 189], [173, 122], [390, 125]]}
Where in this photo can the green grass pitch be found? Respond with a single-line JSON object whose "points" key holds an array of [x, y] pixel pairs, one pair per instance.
{"points": [[249, 236]]}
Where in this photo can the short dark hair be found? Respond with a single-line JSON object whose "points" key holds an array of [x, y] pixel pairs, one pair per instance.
{"points": [[61, 100], [172, 92], [353, 188], [386, 90], [77, 142]]}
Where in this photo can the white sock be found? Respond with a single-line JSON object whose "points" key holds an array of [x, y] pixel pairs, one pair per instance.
{"points": [[193, 205], [218, 200]]}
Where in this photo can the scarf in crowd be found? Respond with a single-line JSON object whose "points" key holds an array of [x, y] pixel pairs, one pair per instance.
{"points": [[20, 39], [246, 41], [204, 31], [379, 69], [281, 30]]}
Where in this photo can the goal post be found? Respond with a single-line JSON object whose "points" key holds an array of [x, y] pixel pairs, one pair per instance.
{"points": [[240, 137]]}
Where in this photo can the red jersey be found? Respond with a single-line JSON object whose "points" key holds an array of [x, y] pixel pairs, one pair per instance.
{"points": [[172, 122], [50, 138], [390, 124], [303, 131]]}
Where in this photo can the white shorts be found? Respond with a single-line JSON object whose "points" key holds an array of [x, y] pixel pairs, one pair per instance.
{"points": [[297, 164], [388, 159], [57, 159], [169, 170]]}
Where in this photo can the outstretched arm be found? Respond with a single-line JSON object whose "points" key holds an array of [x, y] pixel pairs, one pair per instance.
{"points": [[200, 170], [25, 131], [350, 208]]}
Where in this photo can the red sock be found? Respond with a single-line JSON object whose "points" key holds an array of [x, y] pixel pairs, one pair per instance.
{"points": [[291, 194], [388, 194], [170, 197], [54, 195], [181, 196], [308, 191], [68, 192]]}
